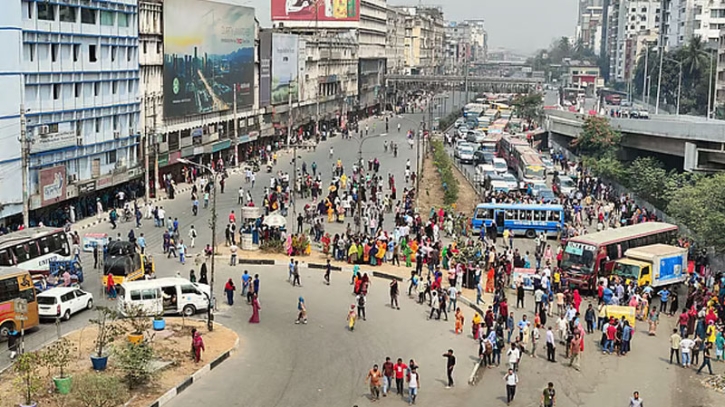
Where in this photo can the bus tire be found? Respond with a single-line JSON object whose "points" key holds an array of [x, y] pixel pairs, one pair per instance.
{"points": [[531, 234], [188, 310], [5, 329]]}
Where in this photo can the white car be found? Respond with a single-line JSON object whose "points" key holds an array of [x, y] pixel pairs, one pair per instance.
{"points": [[511, 180], [548, 164], [62, 302], [566, 185], [499, 164]]}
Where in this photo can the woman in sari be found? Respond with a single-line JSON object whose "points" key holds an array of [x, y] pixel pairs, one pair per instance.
{"points": [[476, 325], [491, 280], [459, 321], [352, 253], [254, 319], [366, 253], [653, 319], [577, 299]]}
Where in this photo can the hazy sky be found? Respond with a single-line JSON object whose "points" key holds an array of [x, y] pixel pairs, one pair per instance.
{"points": [[523, 25]]}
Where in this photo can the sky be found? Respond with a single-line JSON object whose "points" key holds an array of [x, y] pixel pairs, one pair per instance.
{"points": [[517, 25]]}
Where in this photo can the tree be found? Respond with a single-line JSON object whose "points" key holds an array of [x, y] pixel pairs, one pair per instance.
{"points": [[607, 167], [647, 177], [694, 56], [529, 106], [701, 206], [597, 138]]}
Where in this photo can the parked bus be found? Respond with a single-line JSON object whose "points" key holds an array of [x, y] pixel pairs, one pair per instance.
{"points": [[523, 219], [588, 257], [506, 147], [33, 249], [16, 283]]}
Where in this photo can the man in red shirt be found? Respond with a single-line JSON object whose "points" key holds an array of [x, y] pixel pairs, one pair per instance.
{"points": [[232, 218], [683, 318], [611, 336], [400, 369]]}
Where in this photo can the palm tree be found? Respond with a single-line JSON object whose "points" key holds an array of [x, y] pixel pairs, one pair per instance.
{"points": [[694, 56]]}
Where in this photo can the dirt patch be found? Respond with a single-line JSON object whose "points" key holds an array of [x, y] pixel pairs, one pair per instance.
{"points": [[172, 345], [467, 196], [432, 190]]}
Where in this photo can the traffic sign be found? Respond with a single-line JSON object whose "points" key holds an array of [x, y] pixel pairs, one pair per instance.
{"points": [[20, 306]]}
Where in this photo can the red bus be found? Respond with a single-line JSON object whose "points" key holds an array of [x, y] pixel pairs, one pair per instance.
{"points": [[506, 147], [588, 257]]}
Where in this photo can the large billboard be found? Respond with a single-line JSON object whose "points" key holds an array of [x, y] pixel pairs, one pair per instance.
{"points": [[285, 73], [208, 53], [315, 10], [265, 67]]}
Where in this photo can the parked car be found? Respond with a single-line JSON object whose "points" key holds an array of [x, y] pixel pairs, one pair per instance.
{"points": [[62, 302]]}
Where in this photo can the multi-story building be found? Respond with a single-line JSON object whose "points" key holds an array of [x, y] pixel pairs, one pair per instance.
{"points": [[372, 57], [424, 33], [177, 124], [630, 23], [590, 29], [71, 89], [465, 42], [684, 19], [395, 41]]}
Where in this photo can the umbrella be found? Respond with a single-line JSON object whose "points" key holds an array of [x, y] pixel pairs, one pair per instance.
{"points": [[275, 220]]}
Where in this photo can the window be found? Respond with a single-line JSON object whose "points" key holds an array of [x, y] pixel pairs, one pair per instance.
{"points": [[144, 47], [188, 289], [148, 294], [130, 87], [67, 14], [98, 125], [115, 122], [56, 91], [31, 5], [106, 18], [122, 20], [96, 88], [158, 47], [76, 52], [135, 295], [128, 54], [53, 52], [9, 289], [92, 57], [114, 87], [46, 11], [6, 258], [114, 51], [88, 16], [111, 157], [78, 89], [31, 51]]}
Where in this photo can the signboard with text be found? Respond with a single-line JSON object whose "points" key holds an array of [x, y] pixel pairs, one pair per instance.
{"points": [[52, 184], [315, 10]]}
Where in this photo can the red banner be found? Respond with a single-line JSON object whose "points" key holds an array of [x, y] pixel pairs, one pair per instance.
{"points": [[52, 183], [315, 10]]}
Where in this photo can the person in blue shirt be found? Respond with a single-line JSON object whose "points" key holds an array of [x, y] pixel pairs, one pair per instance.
{"points": [[664, 296], [626, 338], [141, 242], [245, 282], [291, 266]]}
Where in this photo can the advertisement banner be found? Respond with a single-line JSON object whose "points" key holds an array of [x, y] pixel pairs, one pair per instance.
{"points": [[52, 182], [208, 53], [284, 68], [53, 141], [265, 67], [315, 10]]}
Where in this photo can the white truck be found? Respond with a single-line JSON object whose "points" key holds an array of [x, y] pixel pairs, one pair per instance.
{"points": [[657, 265]]}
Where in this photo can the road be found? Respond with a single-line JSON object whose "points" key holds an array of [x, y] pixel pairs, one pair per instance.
{"points": [[346, 150]]}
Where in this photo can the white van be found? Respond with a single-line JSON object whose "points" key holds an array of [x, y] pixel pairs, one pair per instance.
{"points": [[172, 295]]}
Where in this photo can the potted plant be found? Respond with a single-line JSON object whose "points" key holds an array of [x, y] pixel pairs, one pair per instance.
{"points": [[27, 380], [58, 356], [107, 332], [159, 322], [139, 321]]}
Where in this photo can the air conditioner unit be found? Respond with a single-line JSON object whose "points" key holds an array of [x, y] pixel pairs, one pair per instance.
{"points": [[72, 178], [116, 134], [44, 130], [79, 141]]}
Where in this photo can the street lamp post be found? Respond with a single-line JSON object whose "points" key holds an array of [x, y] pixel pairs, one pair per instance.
{"points": [[212, 225], [679, 83]]}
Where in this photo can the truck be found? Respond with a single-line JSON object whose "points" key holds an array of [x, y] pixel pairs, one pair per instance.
{"points": [[657, 265]]}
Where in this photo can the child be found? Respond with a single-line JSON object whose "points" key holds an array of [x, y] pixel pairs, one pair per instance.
{"points": [[351, 318], [459, 321], [302, 315]]}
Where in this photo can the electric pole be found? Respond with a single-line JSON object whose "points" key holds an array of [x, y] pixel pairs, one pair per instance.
{"points": [[145, 143], [25, 162]]}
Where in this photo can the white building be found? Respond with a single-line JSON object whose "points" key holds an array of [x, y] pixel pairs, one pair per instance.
{"points": [[70, 81], [687, 18], [372, 35], [630, 23], [395, 41]]}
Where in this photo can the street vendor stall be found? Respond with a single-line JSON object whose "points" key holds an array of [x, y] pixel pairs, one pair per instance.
{"points": [[249, 230]]}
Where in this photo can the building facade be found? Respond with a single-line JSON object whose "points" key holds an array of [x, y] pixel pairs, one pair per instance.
{"points": [[424, 36], [71, 89], [395, 41], [372, 36]]}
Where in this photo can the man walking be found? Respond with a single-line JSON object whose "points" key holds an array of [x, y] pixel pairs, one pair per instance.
{"points": [[361, 306], [574, 351], [550, 345], [706, 359], [675, 340], [328, 269], [374, 376], [450, 364], [413, 384], [511, 379], [388, 370], [400, 369], [548, 397], [296, 272]]}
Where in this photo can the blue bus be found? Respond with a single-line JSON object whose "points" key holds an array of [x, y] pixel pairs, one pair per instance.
{"points": [[523, 219]]}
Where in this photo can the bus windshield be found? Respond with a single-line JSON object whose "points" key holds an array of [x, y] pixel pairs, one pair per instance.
{"points": [[578, 257], [534, 172]]}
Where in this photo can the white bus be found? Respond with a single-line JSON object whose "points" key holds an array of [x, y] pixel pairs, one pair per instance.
{"points": [[33, 249], [169, 295]]}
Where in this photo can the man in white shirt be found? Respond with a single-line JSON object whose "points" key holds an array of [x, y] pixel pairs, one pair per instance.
{"points": [[511, 379], [241, 196], [562, 327], [452, 298], [413, 385], [514, 355], [686, 345], [550, 346]]}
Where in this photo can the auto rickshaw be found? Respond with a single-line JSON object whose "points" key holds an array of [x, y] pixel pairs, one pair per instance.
{"points": [[125, 263]]}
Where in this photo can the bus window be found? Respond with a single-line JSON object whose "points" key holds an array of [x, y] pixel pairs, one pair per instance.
{"points": [[60, 245], [21, 252], [135, 295], [6, 258], [484, 214], [9, 289], [46, 244], [511, 215], [33, 250], [148, 294], [554, 216], [539, 215]]}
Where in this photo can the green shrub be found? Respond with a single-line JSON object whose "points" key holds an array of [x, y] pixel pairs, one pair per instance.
{"points": [[443, 164]]}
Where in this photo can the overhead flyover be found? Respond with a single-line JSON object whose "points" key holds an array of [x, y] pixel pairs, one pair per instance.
{"points": [[475, 83]]}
